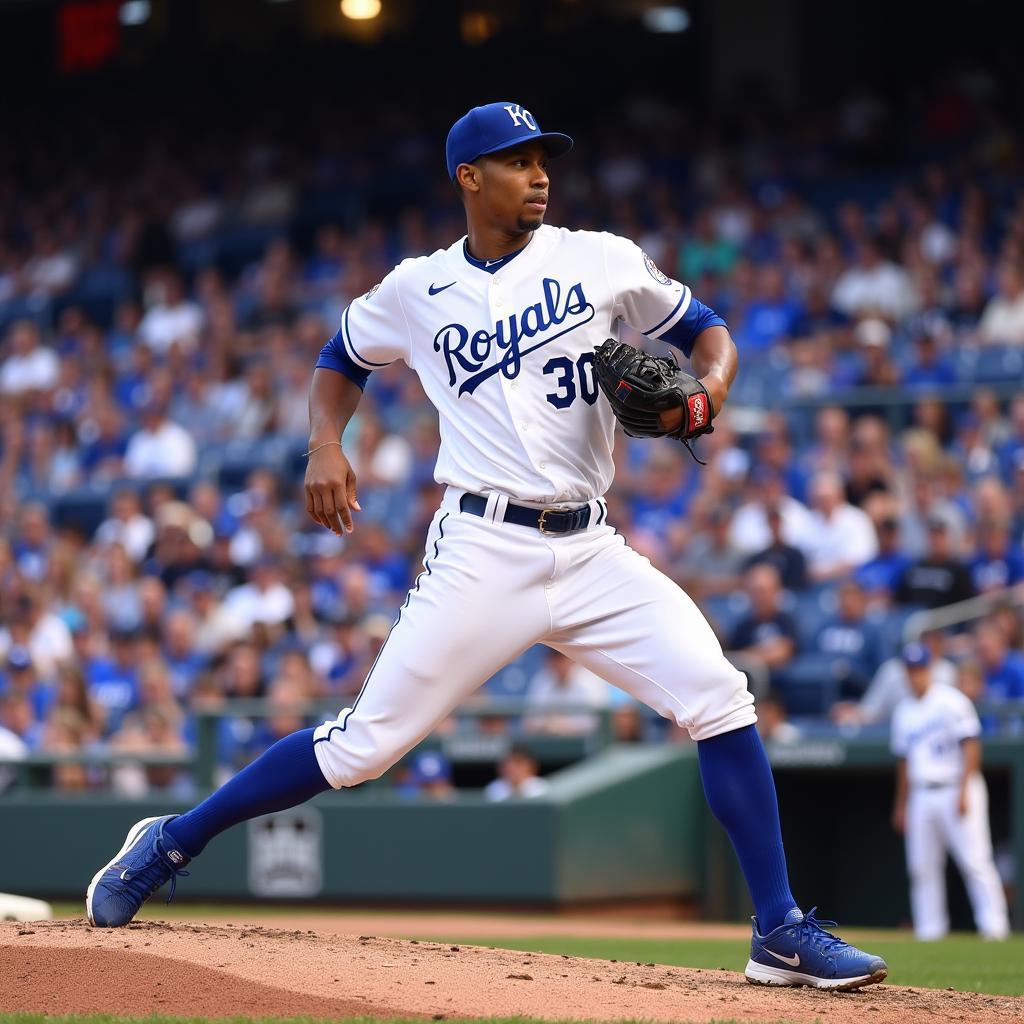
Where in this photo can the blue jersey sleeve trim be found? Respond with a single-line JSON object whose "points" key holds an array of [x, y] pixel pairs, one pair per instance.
{"points": [[368, 364], [334, 357], [697, 318]]}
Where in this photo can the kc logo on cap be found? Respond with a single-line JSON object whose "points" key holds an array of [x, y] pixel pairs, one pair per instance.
{"points": [[497, 126]]}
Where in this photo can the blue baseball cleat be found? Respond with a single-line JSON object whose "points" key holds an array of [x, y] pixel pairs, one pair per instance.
{"points": [[801, 952], [145, 862]]}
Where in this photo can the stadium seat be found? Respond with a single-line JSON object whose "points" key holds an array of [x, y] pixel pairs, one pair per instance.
{"points": [[809, 684]]}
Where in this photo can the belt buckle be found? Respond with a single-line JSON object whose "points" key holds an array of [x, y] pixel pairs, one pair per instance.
{"points": [[540, 523]]}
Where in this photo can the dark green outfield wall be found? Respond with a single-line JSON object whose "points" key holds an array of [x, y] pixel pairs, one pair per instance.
{"points": [[630, 823]]}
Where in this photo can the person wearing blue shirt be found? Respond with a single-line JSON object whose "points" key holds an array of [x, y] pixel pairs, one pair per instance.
{"points": [[114, 682], [997, 562], [1003, 668], [930, 369], [852, 639], [882, 574], [772, 316]]}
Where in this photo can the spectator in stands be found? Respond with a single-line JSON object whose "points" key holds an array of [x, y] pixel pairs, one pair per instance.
{"points": [[517, 777], [939, 578], [160, 448], [17, 716], [185, 662], [773, 723], [874, 367], [20, 677], [33, 543], [72, 693], [869, 467], [430, 776], [710, 563], [63, 734], [750, 532], [840, 536], [218, 626], [874, 286], [12, 748], [113, 678], [766, 633], [853, 639], [171, 319], [880, 576], [788, 559], [44, 633], [1011, 450], [127, 525], [30, 366], [930, 368], [265, 598], [153, 729], [997, 562], [1003, 668], [557, 696], [891, 684], [1002, 323], [772, 316]]}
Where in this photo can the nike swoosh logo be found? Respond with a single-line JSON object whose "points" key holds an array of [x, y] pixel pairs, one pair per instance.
{"points": [[433, 289], [793, 961], [490, 263]]}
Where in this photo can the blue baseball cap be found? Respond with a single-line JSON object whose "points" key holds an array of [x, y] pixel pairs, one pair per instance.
{"points": [[497, 126], [429, 766], [915, 655]]}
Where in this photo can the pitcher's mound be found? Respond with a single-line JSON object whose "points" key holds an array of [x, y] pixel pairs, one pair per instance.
{"points": [[60, 967]]}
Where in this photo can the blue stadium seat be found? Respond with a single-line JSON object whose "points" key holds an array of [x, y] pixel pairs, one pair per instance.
{"points": [[809, 684], [724, 611], [81, 511], [989, 364]]}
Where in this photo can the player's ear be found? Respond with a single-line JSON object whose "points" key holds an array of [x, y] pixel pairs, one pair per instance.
{"points": [[468, 176]]}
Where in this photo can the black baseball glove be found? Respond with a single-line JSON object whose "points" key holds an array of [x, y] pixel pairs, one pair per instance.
{"points": [[640, 387]]}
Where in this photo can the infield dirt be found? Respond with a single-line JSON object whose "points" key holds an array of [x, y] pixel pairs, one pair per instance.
{"points": [[61, 967]]}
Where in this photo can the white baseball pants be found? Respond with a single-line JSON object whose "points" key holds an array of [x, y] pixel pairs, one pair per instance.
{"points": [[935, 826], [489, 591]]}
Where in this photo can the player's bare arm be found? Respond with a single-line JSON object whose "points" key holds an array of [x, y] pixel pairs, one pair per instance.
{"points": [[972, 766], [714, 362], [899, 803], [330, 483]]}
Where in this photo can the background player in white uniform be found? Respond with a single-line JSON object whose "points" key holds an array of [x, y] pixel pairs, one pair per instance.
{"points": [[942, 802], [501, 329]]}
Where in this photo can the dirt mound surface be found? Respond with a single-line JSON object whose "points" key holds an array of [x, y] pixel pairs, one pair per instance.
{"points": [[223, 971]]}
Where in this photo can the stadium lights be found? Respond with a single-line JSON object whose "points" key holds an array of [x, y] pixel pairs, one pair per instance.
{"points": [[666, 19], [360, 10], [134, 12]]}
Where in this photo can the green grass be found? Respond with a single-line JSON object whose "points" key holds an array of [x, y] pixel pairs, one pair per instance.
{"points": [[962, 962]]}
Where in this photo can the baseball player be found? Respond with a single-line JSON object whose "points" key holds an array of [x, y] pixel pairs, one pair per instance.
{"points": [[942, 802], [513, 332]]}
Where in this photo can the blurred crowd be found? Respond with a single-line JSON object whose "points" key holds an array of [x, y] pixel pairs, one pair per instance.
{"points": [[158, 338]]}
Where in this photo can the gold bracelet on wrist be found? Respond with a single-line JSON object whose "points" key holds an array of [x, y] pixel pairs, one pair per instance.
{"points": [[306, 455]]}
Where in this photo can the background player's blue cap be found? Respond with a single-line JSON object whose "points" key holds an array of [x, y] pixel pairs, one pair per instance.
{"points": [[915, 655], [497, 126], [429, 766]]}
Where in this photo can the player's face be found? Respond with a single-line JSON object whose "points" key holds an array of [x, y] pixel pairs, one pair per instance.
{"points": [[514, 187], [919, 677]]}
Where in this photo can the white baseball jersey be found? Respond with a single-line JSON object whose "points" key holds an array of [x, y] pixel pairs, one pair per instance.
{"points": [[508, 360], [927, 731], [507, 357]]}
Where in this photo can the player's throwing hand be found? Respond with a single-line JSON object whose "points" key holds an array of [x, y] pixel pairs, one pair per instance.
{"points": [[330, 487]]}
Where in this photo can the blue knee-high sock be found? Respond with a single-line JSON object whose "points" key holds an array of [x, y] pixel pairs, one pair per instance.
{"points": [[740, 791], [283, 776]]}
